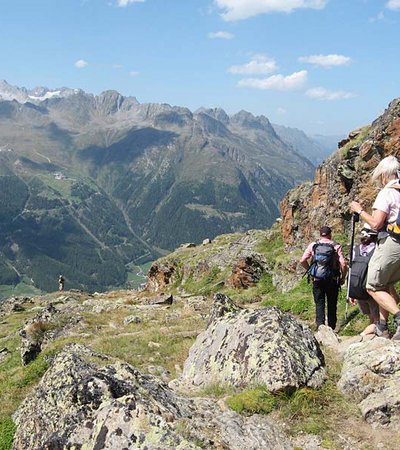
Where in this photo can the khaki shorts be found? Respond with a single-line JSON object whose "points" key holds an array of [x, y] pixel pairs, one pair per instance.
{"points": [[384, 266], [369, 307]]}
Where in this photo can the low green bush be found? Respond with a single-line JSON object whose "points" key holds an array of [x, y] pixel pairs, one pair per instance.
{"points": [[254, 401]]}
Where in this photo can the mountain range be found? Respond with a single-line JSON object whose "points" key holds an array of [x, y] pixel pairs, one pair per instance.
{"points": [[91, 184]]}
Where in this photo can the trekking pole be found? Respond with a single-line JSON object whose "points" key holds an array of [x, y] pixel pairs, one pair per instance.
{"points": [[355, 218]]}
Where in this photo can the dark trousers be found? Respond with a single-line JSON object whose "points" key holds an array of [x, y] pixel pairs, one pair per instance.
{"points": [[329, 290]]}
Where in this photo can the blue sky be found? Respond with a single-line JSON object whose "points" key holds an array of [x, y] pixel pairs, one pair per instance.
{"points": [[324, 66]]}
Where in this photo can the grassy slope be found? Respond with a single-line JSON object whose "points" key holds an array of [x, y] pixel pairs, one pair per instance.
{"points": [[163, 338]]}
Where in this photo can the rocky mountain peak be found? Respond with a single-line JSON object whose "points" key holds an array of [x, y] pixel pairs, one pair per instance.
{"points": [[9, 92], [216, 113], [110, 102], [247, 120], [38, 94]]}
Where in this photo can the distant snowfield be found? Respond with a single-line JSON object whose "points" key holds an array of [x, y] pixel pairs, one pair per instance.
{"points": [[49, 94]]}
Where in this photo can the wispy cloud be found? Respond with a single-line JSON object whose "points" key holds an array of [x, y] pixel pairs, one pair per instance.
{"points": [[81, 64], [123, 3], [134, 73], [117, 66], [258, 65], [243, 9], [326, 60], [221, 35], [393, 4], [321, 93], [380, 16], [292, 82], [281, 111]]}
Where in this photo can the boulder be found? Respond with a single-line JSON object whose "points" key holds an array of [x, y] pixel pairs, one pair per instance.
{"points": [[159, 276], [33, 334], [371, 374], [81, 405], [242, 347], [246, 273]]}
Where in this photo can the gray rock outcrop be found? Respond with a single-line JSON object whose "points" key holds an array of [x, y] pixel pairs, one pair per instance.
{"points": [[242, 347], [80, 405], [371, 374]]}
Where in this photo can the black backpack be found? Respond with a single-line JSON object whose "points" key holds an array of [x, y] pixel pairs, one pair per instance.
{"points": [[324, 265], [358, 275]]}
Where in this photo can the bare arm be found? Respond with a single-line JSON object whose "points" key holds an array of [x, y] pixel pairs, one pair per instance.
{"points": [[305, 264], [376, 220]]}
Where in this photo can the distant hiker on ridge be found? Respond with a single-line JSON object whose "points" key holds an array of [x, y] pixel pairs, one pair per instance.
{"points": [[61, 282], [327, 269], [384, 267]]}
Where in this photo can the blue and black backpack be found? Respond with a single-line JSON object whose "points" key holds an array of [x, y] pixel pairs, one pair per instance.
{"points": [[324, 265]]}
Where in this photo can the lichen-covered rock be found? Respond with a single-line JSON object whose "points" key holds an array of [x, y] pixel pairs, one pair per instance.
{"points": [[13, 304], [79, 405], [32, 335], [371, 373], [48, 324], [242, 347]]}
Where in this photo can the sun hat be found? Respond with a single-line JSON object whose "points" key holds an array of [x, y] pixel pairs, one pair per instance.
{"points": [[367, 231]]}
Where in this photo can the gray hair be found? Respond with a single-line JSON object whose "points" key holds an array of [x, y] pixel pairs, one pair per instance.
{"points": [[389, 167]]}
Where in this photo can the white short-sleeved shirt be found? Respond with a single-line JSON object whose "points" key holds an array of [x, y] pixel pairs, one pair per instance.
{"points": [[388, 201]]}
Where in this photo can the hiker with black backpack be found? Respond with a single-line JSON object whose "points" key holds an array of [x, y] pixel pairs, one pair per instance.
{"points": [[384, 267], [357, 292], [327, 269]]}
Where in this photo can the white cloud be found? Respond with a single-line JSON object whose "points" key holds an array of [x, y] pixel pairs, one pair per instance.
{"points": [[393, 4], [123, 3], [260, 64], [243, 9], [221, 35], [321, 93], [281, 111], [81, 63], [277, 82], [117, 66], [326, 60], [133, 73]]}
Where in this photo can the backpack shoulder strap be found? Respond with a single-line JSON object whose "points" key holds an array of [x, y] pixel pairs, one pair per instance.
{"points": [[395, 186], [315, 246]]}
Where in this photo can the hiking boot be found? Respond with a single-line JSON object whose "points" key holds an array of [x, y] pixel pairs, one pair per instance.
{"points": [[382, 330], [384, 334]]}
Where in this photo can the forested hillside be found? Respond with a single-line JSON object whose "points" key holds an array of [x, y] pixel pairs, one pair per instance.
{"points": [[91, 184]]}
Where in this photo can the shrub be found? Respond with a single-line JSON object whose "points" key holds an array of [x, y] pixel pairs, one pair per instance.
{"points": [[254, 401]]}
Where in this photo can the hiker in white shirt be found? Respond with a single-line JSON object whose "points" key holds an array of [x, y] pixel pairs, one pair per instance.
{"points": [[384, 267]]}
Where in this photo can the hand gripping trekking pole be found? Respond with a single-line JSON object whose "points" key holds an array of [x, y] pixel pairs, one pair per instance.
{"points": [[355, 218]]}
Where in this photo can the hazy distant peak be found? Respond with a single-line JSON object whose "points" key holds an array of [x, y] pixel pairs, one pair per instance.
{"points": [[216, 113], [38, 94], [248, 120], [111, 102]]}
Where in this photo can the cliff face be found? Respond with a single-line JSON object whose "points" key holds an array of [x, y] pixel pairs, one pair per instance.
{"points": [[341, 178]]}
